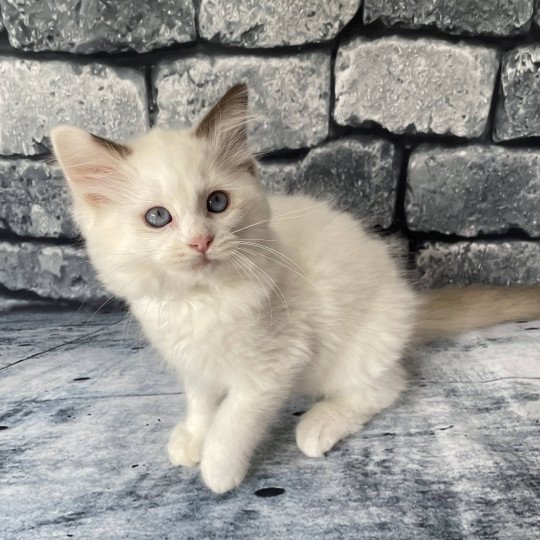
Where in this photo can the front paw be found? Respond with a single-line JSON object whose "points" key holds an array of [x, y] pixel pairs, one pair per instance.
{"points": [[184, 448], [317, 432], [221, 472]]}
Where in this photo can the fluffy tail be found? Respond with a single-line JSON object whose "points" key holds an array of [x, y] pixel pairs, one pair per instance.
{"points": [[449, 311]]}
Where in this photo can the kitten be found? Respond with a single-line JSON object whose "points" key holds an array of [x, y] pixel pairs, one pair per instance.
{"points": [[253, 298]]}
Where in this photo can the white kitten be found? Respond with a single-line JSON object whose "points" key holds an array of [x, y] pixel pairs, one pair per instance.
{"points": [[251, 298]]}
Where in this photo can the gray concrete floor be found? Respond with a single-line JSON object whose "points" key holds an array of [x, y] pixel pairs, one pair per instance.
{"points": [[86, 409]]}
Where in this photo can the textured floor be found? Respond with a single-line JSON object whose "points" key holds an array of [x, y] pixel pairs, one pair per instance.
{"points": [[86, 409]]}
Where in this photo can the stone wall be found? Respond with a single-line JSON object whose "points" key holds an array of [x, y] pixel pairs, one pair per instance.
{"points": [[420, 116]]}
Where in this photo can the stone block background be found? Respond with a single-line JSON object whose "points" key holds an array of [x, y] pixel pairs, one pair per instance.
{"points": [[421, 117]]}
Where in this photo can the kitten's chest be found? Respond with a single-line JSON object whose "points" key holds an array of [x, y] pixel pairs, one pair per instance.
{"points": [[193, 337]]}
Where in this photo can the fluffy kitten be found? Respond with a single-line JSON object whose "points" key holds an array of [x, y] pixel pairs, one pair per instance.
{"points": [[252, 298]]}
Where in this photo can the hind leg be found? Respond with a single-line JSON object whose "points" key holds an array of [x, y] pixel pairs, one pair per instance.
{"points": [[335, 417]]}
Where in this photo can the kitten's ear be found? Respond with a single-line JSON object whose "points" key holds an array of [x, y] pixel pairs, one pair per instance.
{"points": [[229, 113], [91, 164], [225, 128]]}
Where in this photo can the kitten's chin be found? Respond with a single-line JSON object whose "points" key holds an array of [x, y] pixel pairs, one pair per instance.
{"points": [[202, 264], [197, 271]]}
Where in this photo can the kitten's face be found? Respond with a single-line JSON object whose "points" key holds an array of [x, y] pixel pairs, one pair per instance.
{"points": [[166, 211]]}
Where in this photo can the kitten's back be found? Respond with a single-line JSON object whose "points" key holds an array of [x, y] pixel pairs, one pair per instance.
{"points": [[355, 272]]}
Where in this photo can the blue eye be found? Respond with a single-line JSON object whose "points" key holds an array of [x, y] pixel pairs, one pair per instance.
{"points": [[217, 202], [158, 217]]}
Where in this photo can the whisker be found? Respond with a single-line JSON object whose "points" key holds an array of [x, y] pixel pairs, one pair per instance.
{"points": [[281, 264], [277, 289], [161, 301], [252, 271], [275, 251], [114, 270], [99, 309], [260, 239], [284, 216], [149, 252], [114, 298], [238, 265]]}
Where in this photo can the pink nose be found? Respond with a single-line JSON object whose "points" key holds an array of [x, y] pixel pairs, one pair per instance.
{"points": [[201, 243]]}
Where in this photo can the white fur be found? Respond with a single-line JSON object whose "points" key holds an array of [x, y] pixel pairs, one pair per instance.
{"points": [[326, 313]]}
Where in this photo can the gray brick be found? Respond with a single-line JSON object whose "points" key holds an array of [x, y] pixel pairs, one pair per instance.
{"points": [[474, 189], [291, 94], [271, 23], [482, 17], [518, 107], [421, 86], [58, 272], [87, 27], [35, 96], [35, 200], [493, 263], [359, 173], [278, 177]]}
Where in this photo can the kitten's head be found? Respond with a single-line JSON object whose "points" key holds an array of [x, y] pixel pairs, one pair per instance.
{"points": [[168, 209]]}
